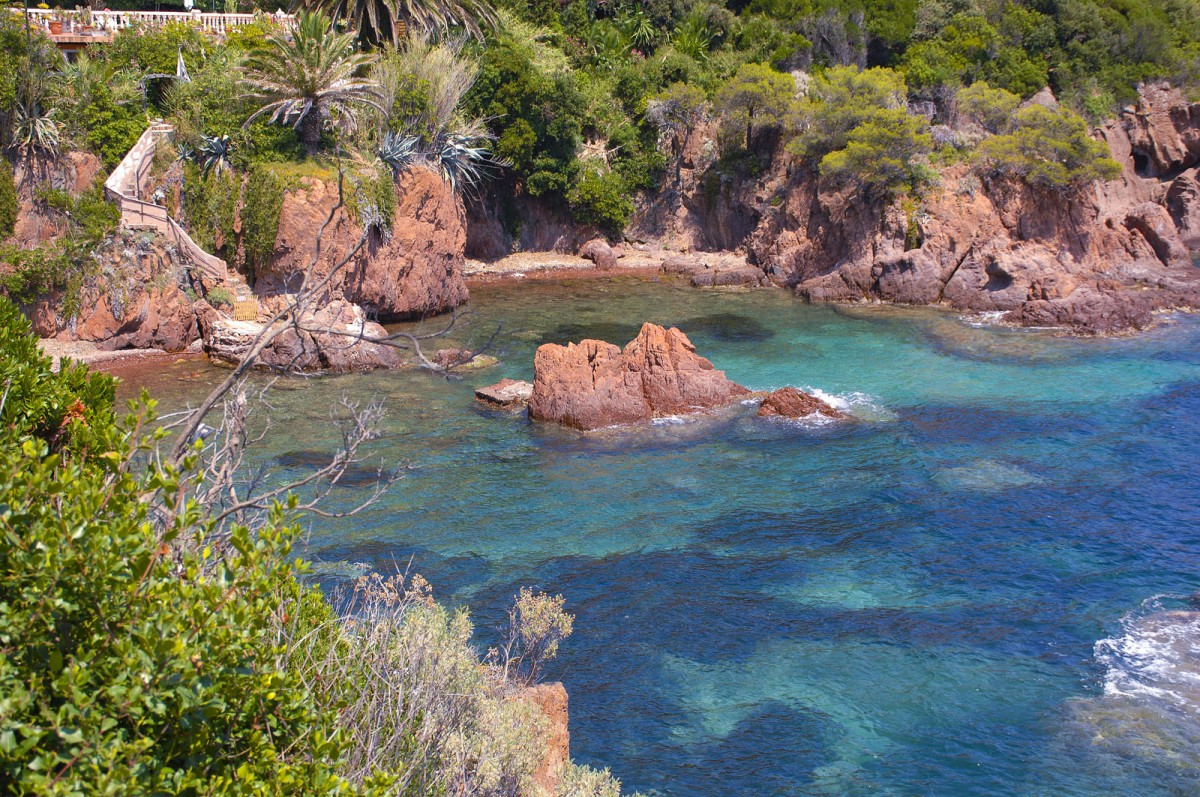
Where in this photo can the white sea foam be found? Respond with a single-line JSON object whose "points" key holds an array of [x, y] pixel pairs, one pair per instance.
{"points": [[992, 318], [670, 420], [1156, 658], [861, 405]]}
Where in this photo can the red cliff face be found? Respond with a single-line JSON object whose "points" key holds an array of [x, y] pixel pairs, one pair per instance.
{"points": [[415, 272], [594, 384], [551, 700], [1100, 259]]}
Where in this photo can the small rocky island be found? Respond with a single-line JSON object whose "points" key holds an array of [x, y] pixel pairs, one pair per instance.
{"points": [[594, 384]]}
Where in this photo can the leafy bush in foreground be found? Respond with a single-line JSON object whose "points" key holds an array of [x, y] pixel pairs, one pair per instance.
{"points": [[137, 650], [149, 648]]}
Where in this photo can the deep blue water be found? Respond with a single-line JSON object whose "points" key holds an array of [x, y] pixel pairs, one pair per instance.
{"points": [[909, 604]]}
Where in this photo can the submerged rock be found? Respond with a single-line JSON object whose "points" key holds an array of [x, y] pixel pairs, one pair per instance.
{"points": [[462, 360], [1149, 711], [788, 402], [507, 393], [594, 384]]}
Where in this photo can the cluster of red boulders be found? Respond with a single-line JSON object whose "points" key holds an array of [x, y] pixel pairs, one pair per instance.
{"points": [[593, 384]]}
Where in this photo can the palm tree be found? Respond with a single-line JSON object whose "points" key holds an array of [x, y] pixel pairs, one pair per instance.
{"points": [[378, 22], [310, 77]]}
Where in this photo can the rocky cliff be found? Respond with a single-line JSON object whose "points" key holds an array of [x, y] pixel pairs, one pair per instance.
{"points": [[133, 299], [136, 295], [1100, 259], [413, 270]]}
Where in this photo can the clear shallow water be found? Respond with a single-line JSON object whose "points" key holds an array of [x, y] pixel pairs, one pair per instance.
{"points": [[928, 602]]}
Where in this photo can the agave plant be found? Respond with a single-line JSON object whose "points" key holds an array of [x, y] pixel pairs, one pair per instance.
{"points": [[311, 76], [213, 154], [462, 159], [183, 152], [377, 22], [399, 151], [35, 131]]}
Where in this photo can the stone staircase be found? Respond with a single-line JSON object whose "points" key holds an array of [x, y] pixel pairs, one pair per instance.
{"points": [[124, 187]]}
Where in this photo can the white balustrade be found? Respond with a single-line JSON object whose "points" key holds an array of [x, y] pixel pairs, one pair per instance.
{"points": [[218, 24]]}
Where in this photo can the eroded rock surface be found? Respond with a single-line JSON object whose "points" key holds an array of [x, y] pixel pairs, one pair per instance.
{"points": [[136, 301], [594, 384], [789, 402], [551, 700], [507, 394], [415, 272], [1101, 259], [329, 338]]}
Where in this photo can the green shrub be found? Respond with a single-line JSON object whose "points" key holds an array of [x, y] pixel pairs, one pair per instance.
{"points": [[91, 217], [260, 214], [970, 49], [602, 199], [70, 411], [210, 205], [140, 651], [754, 98], [883, 153], [61, 267], [8, 200], [839, 101], [220, 296], [1048, 148], [992, 109]]}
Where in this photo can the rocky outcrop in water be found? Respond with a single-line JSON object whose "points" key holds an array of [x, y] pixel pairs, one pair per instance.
{"points": [[413, 272], [788, 402], [594, 384], [509, 394], [329, 338]]}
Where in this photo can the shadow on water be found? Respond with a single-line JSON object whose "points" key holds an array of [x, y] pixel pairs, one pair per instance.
{"points": [[727, 328], [359, 475]]}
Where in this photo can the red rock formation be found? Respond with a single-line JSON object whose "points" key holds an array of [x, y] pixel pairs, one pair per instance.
{"points": [[595, 384], [74, 172], [788, 402], [551, 700], [599, 252], [1102, 259], [415, 273], [134, 303]]}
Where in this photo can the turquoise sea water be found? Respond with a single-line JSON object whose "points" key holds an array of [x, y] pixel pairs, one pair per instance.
{"points": [[947, 597]]}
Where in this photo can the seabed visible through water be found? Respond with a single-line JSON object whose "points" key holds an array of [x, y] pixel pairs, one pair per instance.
{"points": [[969, 591]]}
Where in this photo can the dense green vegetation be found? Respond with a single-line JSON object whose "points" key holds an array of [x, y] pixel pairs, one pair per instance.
{"points": [[582, 104], [152, 646]]}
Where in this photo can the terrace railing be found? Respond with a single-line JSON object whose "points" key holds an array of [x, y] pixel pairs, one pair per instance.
{"points": [[217, 24]]}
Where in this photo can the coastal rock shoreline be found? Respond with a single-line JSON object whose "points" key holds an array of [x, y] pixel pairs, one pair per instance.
{"points": [[1110, 258]]}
